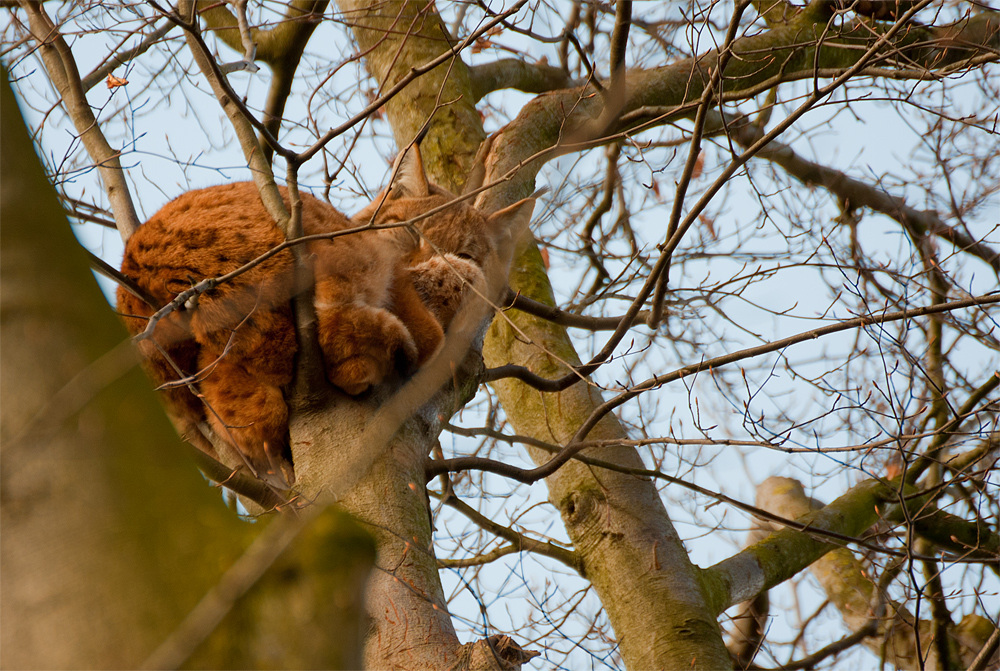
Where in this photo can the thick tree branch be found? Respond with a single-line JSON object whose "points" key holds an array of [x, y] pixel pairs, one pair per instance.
{"points": [[785, 553], [785, 53], [845, 581], [776, 12], [514, 73], [274, 44], [281, 47], [962, 538], [242, 120]]}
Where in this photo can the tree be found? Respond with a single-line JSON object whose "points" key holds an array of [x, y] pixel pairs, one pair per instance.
{"points": [[698, 214]]}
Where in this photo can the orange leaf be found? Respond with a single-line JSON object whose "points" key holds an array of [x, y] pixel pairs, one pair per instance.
{"points": [[709, 223], [114, 82], [699, 165]]}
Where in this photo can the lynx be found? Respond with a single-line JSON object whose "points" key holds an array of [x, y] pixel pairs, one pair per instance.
{"points": [[382, 298]]}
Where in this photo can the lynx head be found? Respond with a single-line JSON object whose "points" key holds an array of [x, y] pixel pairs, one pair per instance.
{"points": [[459, 228]]}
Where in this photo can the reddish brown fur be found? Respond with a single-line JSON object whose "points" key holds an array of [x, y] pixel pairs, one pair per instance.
{"points": [[382, 300]]}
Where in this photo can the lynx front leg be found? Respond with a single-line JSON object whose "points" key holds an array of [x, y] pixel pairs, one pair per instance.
{"points": [[362, 345], [408, 305], [250, 413]]}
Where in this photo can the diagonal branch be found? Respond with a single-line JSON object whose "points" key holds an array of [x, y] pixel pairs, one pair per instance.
{"points": [[514, 73], [846, 582], [63, 73], [519, 542], [113, 61], [240, 117]]}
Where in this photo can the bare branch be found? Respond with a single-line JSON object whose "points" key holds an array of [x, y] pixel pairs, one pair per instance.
{"points": [[856, 193], [519, 542], [558, 384], [63, 73], [100, 73], [514, 73]]}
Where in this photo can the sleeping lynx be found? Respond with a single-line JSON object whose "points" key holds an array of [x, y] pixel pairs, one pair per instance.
{"points": [[382, 300]]}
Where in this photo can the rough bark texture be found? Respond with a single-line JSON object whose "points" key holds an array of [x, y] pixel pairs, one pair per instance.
{"points": [[618, 525], [383, 485], [396, 36], [350, 450]]}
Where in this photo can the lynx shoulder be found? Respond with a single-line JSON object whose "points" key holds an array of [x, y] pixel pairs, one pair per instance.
{"points": [[382, 296]]}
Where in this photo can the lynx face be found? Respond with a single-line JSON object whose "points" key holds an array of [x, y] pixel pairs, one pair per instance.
{"points": [[458, 246], [382, 300]]}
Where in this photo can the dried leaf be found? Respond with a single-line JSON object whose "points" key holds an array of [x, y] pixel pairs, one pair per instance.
{"points": [[699, 165], [709, 223], [114, 82]]}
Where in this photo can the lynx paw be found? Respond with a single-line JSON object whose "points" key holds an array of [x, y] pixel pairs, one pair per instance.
{"points": [[269, 462], [364, 345], [359, 373]]}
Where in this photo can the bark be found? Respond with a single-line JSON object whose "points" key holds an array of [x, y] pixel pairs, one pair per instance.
{"points": [[382, 484], [110, 537], [280, 47], [396, 36], [785, 553], [514, 73]]}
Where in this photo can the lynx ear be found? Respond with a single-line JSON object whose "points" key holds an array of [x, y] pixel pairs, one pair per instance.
{"points": [[513, 219], [410, 180], [478, 173]]}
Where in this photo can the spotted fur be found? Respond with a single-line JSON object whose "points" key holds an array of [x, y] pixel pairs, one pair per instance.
{"points": [[382, 299]]}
